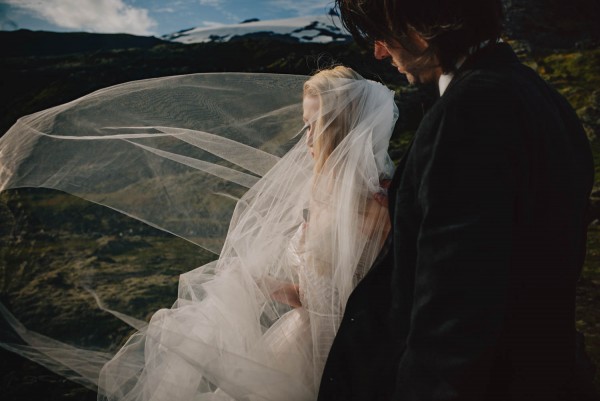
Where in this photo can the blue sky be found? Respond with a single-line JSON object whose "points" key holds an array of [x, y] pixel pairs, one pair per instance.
{"points": [[146, 17]]}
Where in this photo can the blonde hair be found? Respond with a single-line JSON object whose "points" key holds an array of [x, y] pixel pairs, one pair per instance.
{"points": [[330, 136]]}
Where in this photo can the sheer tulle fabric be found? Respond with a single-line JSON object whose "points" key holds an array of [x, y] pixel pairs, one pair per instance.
{"points": [[146, 149]]}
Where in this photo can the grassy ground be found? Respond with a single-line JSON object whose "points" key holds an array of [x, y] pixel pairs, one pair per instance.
{"points": [[577, 76], [54, 244]]}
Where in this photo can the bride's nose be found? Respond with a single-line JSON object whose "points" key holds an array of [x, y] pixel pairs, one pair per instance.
{"points": [[309, 138]]}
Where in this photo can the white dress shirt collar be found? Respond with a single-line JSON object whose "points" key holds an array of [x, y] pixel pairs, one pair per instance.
{"points": [[444, 81]]}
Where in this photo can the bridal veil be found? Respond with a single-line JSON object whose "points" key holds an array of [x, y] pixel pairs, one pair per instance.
{"points": [[221, 161]]}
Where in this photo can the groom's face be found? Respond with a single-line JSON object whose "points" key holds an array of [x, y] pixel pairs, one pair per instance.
{"points": [[410, 63]]}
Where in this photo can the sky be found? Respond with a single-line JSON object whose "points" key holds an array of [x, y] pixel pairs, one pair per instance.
{"points": [[146, 17]]}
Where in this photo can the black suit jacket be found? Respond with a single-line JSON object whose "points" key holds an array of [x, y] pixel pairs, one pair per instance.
{"points": [[474, 296]]}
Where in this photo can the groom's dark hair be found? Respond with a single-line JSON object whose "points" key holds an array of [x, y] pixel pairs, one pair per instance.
{"points": [[451, 27]]}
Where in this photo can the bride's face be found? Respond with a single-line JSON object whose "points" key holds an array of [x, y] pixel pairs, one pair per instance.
{"points": [[310, 105]]}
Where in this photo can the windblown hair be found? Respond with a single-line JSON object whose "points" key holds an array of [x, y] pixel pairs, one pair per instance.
{"points": [[331, 125], [451, 27]]}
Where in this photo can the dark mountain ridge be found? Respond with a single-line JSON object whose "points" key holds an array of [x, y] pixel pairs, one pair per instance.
{"points": [[24, 43]]}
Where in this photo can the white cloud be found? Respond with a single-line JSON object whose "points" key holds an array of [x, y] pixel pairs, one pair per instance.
{"points": [[90, 15], [213, 3], [305, 7], [211, 24]]}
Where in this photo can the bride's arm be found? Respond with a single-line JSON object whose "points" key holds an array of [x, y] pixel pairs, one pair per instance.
{"points": [[287, 292]]}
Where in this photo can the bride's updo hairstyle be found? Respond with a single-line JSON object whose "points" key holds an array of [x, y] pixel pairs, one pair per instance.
{"points": [[334, 119]]}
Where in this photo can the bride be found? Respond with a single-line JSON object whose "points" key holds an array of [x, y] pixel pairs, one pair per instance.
{"points": [[257, 323]]}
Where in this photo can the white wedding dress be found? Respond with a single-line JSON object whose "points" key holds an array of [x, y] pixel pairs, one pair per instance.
{"points": [[226, 337]]}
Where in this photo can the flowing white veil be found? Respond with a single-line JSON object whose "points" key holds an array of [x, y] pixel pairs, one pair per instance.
{"points": [[215, 159]]}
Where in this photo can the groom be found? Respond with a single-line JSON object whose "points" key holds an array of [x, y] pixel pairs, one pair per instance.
{"points": [[473, 297]]}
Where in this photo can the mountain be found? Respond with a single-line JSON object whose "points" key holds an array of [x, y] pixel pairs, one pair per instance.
{"points": [[313, 29], [23, 42]]}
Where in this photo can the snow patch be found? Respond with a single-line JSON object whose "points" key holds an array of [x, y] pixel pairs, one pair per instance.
{"points": [[312, 29]]}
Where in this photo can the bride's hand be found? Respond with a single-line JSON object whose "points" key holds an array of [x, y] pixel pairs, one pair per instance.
{"points": [[287, 293], [381, 197]]}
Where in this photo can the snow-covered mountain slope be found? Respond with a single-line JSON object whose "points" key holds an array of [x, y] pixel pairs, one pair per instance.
{"points": [[313, 29]]}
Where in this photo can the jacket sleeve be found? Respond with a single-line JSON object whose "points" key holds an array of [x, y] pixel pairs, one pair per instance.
{"points": [[464, 171]]}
